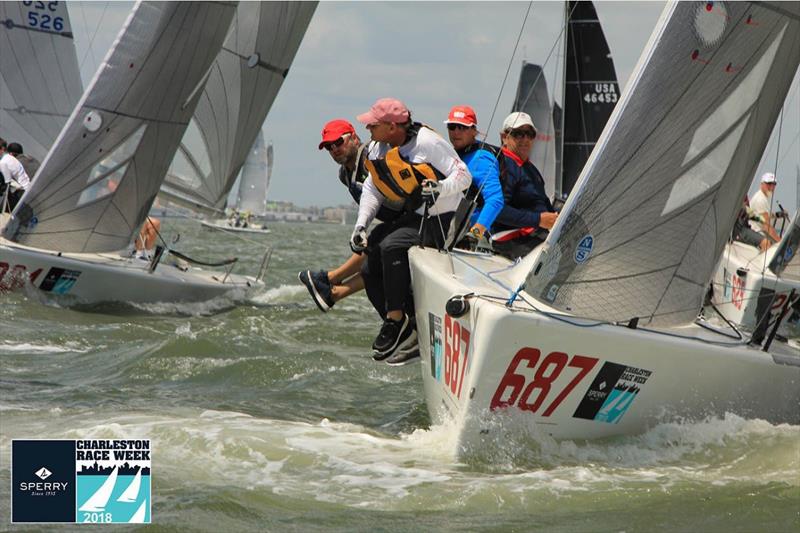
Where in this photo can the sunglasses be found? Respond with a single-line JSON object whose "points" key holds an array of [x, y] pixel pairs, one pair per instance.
{"points": [[459, 127], [518, 134], [337, 143]]}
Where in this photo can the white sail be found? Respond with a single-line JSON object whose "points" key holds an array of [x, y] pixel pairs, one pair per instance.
{"points": [[642, 231], [138, 516], [98, 182], [39, 78], [532, 98], [255, 179], [131, 493], [241, 87], [98, 500]]}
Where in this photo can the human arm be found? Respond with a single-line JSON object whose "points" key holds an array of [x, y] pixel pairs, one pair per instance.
{"points": [[515, 217], [486, 176], [371, 200]]}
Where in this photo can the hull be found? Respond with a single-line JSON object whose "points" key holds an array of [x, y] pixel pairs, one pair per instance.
{"points": [[222, 225], [500, 375], [739, 279], [101, 278]]}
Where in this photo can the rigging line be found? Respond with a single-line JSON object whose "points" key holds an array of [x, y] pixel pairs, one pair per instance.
{"points": [[91, 41]]}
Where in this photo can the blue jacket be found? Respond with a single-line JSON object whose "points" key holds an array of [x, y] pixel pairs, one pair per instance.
{"points": [[524, 194], [485, 170]]}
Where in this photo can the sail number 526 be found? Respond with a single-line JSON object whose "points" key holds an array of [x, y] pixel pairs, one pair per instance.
{"points": [[531, 395]]}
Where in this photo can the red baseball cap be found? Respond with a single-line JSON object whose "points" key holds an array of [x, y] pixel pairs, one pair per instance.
{"points": [[335, 129], [385, 110], [462, 114]]}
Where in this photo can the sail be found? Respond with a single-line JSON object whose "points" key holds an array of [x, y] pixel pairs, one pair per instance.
{"points": [[240, 90], [558, 116], [590, 92], [532, 98], [131, 493], [255, 180], [39, 78], [641, 232], [98, 182], [786, 253], [98, 501]]}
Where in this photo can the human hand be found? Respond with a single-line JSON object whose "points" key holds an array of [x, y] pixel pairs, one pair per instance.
{"points": [[358, 240], [547, 220], [430, 191]]}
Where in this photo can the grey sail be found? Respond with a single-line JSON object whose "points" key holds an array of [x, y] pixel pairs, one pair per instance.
{"points": [[240, 90], [98, 182], [532, 98], [254, 181], [786, 255], [39, 78], [642, 231]]}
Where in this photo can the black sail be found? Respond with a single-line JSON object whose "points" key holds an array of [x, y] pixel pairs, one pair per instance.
{"points": [[591, 90]]}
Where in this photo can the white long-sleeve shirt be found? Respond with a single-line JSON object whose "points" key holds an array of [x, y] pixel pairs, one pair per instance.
{"points": [[13, 172], [426, 147]]}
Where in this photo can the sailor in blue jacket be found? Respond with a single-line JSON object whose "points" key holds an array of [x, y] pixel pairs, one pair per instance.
{"points": [[481, 160], [524, 221]]}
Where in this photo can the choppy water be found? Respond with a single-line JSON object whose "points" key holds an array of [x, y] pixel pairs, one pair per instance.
{"points": [[273, 416]]}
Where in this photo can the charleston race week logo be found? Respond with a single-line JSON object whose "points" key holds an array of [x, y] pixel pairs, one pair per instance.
{"points": [[86, 481]]}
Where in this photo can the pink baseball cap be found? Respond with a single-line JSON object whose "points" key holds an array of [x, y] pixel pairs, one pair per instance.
{"points": [[385, 110], [334, 129]]}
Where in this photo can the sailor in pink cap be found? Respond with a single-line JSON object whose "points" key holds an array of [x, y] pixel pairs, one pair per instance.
{"points": [[414, 166]]}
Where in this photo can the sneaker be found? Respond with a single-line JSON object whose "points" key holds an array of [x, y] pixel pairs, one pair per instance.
{"points": [[394, 335], [318, 287], [405, 356]]}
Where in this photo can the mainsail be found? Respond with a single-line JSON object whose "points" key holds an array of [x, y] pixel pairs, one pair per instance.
{"points": [[590, 91], [532, 98], [98, 182], [39, 78], [241, 87], [254, 182], [641, 233]]}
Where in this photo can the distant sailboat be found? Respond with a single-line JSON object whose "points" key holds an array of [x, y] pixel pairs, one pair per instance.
{"points": [[131, 494], [98, 500]]}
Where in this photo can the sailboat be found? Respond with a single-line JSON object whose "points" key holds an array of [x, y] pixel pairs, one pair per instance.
{"points": [[238, 94], [98, 501], [251, 196], [97, 183], [595, 333], [131, 493]]}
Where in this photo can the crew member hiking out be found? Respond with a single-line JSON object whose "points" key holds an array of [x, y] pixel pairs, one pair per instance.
{"points": [[412, 164]]}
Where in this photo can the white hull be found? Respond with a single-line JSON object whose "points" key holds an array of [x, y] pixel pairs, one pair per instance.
{"points": [[222, 225], [499, 374], [740, 276], [98, 278]]}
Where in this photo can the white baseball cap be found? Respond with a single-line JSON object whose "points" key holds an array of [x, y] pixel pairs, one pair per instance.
{"points": [[516, 120], [768, 177]]}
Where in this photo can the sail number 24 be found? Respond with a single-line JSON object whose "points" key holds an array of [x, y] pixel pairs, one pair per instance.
{"points": [[515, 388]]}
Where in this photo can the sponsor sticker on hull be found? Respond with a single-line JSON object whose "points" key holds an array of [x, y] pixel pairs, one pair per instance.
{"points": [[59, 280], [612, 392]]}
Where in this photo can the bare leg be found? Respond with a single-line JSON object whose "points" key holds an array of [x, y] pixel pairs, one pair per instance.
{"points": [[347, 269], [350, 286]]}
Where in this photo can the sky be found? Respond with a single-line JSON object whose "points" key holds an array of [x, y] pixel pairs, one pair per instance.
{"points": [[431, 55]]}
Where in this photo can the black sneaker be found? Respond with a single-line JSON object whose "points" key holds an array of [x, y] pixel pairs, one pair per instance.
{"points": [[394, 335], [318, 287], [405, 356]]}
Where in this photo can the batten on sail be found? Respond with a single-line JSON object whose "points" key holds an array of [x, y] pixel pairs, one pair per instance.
{"points": [[629, 243], [161, 54], [241, 87], [39, 78]]}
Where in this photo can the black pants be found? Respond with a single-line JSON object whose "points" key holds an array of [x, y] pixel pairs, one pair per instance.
{"points": [[521, 246], [14, 196], [387, 277]]}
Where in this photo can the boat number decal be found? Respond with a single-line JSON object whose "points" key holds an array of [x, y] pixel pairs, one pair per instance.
{"points": [[59, 280], [584, 249], [516, 389], [449, 358], [612, 392], [780, 299], [43, 20], [737, 291], [12, 278]]}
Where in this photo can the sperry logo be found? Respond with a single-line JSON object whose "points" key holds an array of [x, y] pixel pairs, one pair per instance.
{"points": [[43, 473]]}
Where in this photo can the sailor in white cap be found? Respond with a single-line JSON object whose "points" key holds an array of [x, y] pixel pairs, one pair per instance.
{"points": [[761, 204]]}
